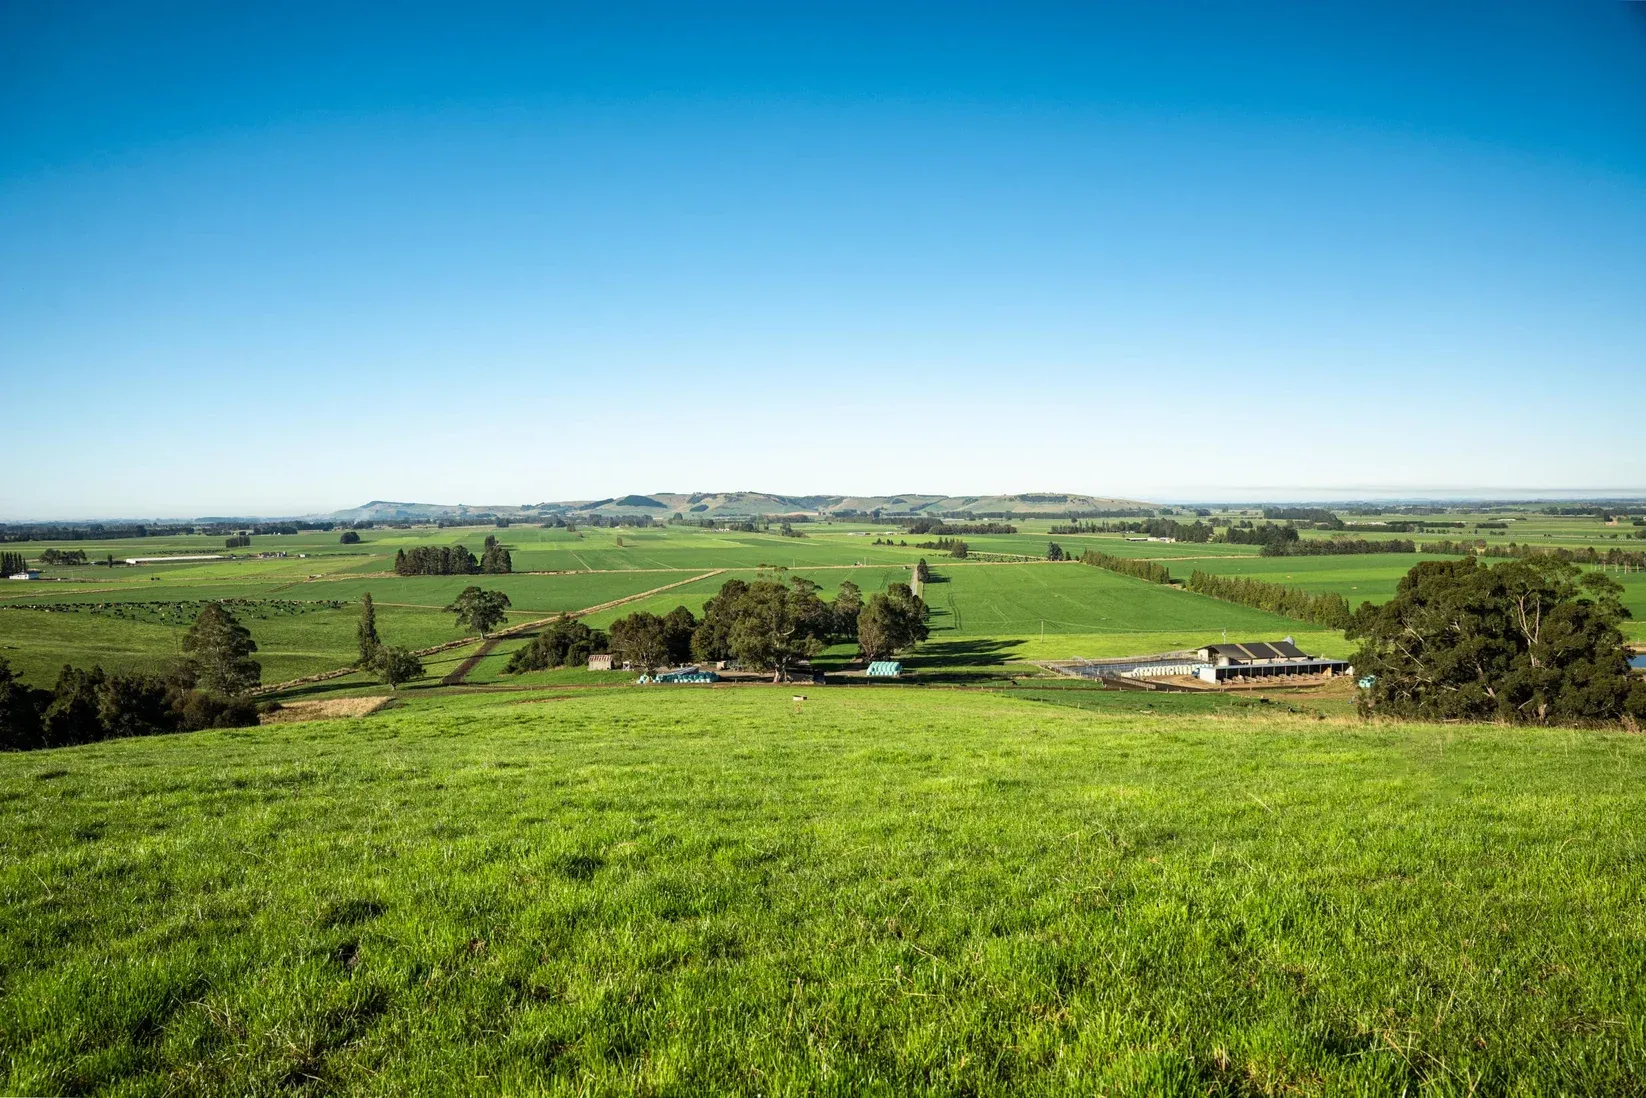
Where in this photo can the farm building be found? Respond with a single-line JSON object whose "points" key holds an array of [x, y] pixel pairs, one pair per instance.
{"points": [[30, 574], [600, 661], [885, 669], [1263, 659]]}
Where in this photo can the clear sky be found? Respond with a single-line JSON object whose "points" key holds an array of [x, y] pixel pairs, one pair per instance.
{"points": [[275, 259]]}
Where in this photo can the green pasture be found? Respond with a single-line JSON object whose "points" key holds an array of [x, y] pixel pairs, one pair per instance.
{"points": [[1015, 599], [1116, 545], [536, 594], [688, 549], [1634, 597], [1357, 577], [38, 643], [879, 891]]}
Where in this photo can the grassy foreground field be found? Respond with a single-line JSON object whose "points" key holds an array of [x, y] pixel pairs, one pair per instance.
{"points": [[898, 891]]}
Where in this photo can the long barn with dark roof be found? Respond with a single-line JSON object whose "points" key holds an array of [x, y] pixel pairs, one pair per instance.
{"points": [[1263, 659]]}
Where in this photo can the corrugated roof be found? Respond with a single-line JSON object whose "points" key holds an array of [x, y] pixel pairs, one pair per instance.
{"points": [[1258, 650]]}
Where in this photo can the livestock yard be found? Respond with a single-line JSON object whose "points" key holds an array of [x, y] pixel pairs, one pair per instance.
{"points": [[1098, 831]]}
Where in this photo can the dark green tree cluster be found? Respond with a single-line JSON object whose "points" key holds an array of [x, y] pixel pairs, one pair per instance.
{"points": [[641, 641], [63, 556], [394, 665], [773, 626], [1126, 566], [953, 546], [1328, 608], [494, 559], [348, 537], [891, 621], [479, 610], [938, 526], [237, 541], [219, 649], [12, 563], [86, 706], [205, 691], [922, 571], [846, 610], [1264, 534], [567, 642], [1320, 516], [391, 664], [1197, 531], [1534, 641], [1332, 547], [1054, 551], [1152, 527], [436, 560]]}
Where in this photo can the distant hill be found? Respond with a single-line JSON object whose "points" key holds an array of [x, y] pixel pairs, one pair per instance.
{"points": [[661, 505]]}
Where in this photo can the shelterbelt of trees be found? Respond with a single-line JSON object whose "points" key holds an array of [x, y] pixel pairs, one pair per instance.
{"points": [[1276, 540], [1326, 608], [765, 625]]}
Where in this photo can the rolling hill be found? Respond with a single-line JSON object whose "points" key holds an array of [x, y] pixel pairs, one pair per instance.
{"points": [[741, 504]]}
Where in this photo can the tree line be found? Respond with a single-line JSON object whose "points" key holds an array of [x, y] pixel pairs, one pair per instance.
{"points": [[1331, 547], [95, 531], [12, 563], [1326, 608], [1627, 558], [939, 526], [1127, 566], [453, 560]]}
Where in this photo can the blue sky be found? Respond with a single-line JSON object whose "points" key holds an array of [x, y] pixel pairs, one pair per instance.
{"points": [[282, 260]]}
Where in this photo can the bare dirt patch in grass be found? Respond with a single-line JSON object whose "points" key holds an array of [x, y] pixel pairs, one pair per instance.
{"points": [[330, 709]]}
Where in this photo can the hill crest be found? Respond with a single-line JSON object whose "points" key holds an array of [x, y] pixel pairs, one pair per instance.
{"points": [[749, 504]]}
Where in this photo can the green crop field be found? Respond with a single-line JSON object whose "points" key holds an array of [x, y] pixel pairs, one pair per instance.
{"points": [[1076, 598], [877, 892]]}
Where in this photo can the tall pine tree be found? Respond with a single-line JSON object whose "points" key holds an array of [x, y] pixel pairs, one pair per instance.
{"points": [[366, 632]]}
